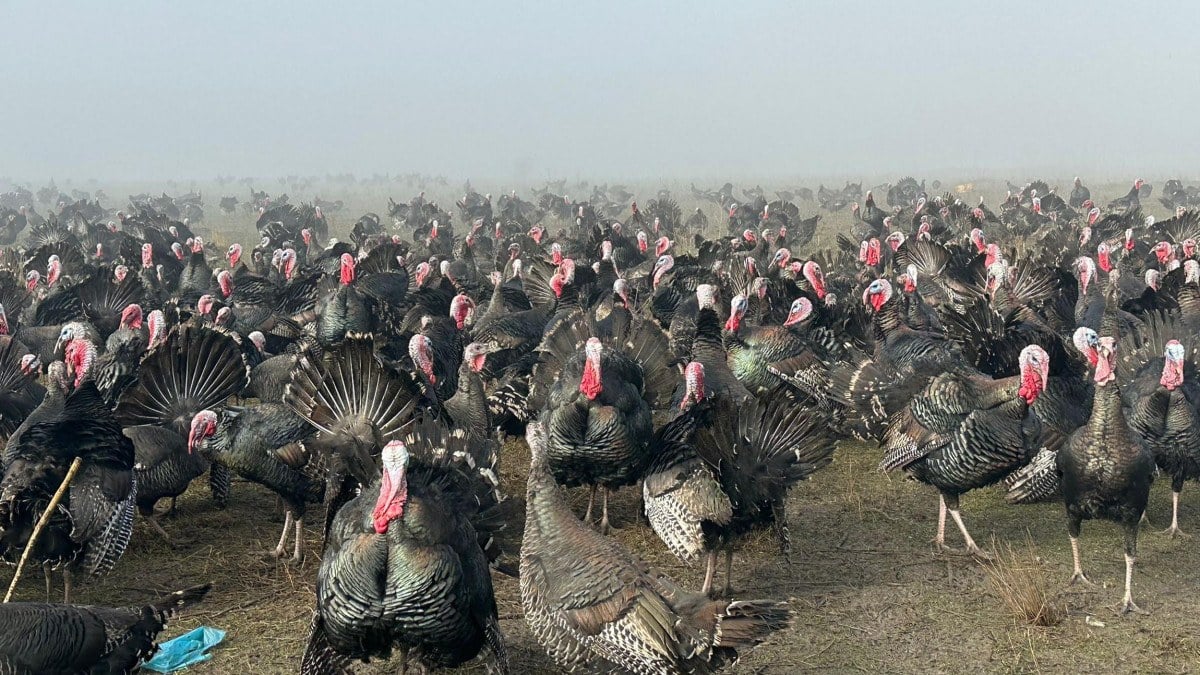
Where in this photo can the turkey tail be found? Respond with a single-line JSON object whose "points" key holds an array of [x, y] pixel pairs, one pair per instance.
{"points": [[103, 300], [60, 306], [649, 346], [137, 641], [681, 491], [319, 656], [348, 384], [507, 405], [747, 623], [1037, 481], [195, 368], [468, 468], [19, 395], [102, 550], [169, 606], [808, 381]]}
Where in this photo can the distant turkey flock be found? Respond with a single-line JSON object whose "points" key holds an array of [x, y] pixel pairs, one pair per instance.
{"points": [[1044, 342]]}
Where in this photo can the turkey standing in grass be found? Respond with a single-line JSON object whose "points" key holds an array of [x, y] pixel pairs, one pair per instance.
{"points": [[1104, 472], [966, 431], [1161, 404], [595, 607], [406, 561], [724, 469], [91, 528], [596, 396]]}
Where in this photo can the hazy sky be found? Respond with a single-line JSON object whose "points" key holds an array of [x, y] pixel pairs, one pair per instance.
{"points": [[153, 90]]}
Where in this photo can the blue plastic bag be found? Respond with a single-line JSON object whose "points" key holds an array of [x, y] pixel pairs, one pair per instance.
{"points": [[186, 650]]}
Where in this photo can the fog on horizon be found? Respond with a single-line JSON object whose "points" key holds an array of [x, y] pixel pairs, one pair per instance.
{"points": [[152, 91]]}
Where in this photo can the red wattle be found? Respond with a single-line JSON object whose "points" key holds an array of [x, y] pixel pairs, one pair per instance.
{"points": [[390, 505], [590, 384], [1030, 387]]}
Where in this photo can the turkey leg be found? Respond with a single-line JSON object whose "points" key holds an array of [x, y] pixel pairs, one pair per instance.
{"points": [[287, 526], [298, 549], [710, 570], [604, 527], [939, 540], [587, 517], [1127, 604], [1174, 531], [1077, 575], [972, 547]]}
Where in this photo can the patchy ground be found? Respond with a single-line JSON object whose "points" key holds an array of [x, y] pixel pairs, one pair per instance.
{"points": [[868, 593]]}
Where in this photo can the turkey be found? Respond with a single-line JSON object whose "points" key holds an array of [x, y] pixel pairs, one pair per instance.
{"points": [[1079, 194], [1161, 402], [37, 638], [1104, 472], [596, 394], [91, 528], [594, 607], [728, 471], [357, 403], [264, 444], [965, 431], [20, 392], [194, 368], [405, 565]]}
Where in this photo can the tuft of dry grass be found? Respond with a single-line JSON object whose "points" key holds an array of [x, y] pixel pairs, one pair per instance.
{"points": [[1020, 579]]}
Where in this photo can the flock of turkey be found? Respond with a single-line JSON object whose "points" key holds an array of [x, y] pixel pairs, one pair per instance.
{"points": [[1046, 344]]}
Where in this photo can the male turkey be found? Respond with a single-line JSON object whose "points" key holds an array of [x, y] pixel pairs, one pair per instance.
{"points": [[91, 528], [37, 638], [194, 368], [965, 431], [1104, 471], [595, 607], [724, 469], [596, 389], [405, 565], [1162, 402]]}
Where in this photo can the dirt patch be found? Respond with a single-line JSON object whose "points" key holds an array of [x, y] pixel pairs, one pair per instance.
{"points": [[868, 592]]}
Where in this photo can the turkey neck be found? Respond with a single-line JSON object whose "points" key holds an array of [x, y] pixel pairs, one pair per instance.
{"points": [[887, 321], [1108, 420]]}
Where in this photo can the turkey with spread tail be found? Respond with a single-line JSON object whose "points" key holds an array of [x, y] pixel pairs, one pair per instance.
{"points": [[193, 368], [596, 385], [406, 561], [724, 468]]}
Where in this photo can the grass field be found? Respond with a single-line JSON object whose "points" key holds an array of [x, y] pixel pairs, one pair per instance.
{"points": [[868, 592]]}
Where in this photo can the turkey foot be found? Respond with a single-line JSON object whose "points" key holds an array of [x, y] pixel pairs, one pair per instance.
{"points": [[1080, 578], [1077, 575], [972, 547]]}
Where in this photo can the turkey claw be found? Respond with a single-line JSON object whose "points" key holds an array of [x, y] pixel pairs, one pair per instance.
{"points": [[1174, 532], [1079, 577], [1128, 607]]}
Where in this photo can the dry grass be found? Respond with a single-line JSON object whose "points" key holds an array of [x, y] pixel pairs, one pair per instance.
{"points": [[1019, 577]]}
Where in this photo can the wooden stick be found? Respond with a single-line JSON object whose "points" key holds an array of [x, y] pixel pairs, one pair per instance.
{"points": [[41, 523]]}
